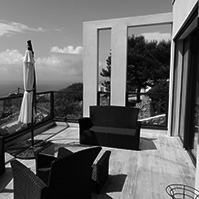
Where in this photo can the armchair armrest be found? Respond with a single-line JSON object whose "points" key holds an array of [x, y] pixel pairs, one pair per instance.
{"points": [[138, 127], [100, 172], [2, 156], [85, 123]]}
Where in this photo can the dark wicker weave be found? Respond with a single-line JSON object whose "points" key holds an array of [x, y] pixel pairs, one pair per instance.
{"points": [[26, 184], [100, 168], [44, 162], [100, 172], [2, 156], [112, 126], [70, 175]]}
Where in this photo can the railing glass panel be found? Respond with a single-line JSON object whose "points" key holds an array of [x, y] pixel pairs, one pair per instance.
{"points": [[153, 108], [10, 109], [68, 105]]}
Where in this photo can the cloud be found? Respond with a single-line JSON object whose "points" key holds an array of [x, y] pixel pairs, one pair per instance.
{"points": [[51, 60], [59, 67], [56, 67], [10, 28], [67, 50], [157, 36], [10, 65], [10, 57]]}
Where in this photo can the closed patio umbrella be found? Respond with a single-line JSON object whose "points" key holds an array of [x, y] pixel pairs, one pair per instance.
{"points": [[28, 107]]}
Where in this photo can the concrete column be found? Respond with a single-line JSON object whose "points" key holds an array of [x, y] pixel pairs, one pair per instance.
{"points": [[90, 67], [118, 64]]}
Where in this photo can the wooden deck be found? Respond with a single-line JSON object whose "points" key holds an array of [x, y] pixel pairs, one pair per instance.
{"points": [[133, 174]]}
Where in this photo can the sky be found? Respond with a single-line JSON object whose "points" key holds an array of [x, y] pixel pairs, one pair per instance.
{"points": [[55, 29]]}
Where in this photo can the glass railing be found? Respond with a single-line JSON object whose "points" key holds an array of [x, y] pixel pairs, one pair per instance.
{"points": [[10, 109], [103, 98], [9, 112], [68, 106], [49, 105], [44, 106], [153, 108]]}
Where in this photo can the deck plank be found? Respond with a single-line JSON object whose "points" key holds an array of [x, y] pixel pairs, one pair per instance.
{"points": [[141, 174]]}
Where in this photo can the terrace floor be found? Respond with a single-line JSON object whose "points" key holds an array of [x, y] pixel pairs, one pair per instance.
{"points": [[141, 174]]}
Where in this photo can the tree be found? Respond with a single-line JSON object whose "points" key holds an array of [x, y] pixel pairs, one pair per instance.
{"points": [[107, 73], [147, 63], [159, 97], [68, 102], [74, 91]]}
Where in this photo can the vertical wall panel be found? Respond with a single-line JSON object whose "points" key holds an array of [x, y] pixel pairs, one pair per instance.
{"points": [[118, 68], [90, 69]]}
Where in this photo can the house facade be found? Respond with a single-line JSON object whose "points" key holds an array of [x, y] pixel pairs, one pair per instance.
{"points": [[183, 113], [184, 90]]}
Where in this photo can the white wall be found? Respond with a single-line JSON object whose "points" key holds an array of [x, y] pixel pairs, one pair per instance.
{"points": [[119, 29], [181, 10]]}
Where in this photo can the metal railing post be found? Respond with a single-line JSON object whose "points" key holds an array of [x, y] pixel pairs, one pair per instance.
{"points": [[52, 104]]}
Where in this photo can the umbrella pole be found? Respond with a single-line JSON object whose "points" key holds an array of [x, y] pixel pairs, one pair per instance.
{"points": [[33, 109], [32, 128]]}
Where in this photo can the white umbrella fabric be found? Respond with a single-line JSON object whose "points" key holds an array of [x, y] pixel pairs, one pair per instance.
{"points": [[27, 111]]}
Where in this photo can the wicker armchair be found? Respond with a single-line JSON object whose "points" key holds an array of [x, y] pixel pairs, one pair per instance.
{"points": [[69, 177], [100, 168], [2, 156]]}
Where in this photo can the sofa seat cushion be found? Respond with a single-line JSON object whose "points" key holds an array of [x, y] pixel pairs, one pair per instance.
{"points": [[112, 130]]}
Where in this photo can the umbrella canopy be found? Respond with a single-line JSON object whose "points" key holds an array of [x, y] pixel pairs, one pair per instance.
{"points": [[27, 111]]}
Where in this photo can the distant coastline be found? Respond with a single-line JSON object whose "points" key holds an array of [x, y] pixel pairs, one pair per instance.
{"points": [[7, 88]]}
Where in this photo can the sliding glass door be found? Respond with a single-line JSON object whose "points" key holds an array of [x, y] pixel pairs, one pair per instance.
{"points": [[189, 103], [194, 134]]}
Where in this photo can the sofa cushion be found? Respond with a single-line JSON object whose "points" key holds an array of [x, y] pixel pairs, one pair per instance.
{"points": [[112, 130]]}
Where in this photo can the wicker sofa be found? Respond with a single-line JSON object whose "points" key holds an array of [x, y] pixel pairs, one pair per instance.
{"points": [[112, 126]]}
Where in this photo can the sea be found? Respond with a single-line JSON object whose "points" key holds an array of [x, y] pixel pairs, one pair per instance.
{"points": [[7, 88]]}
